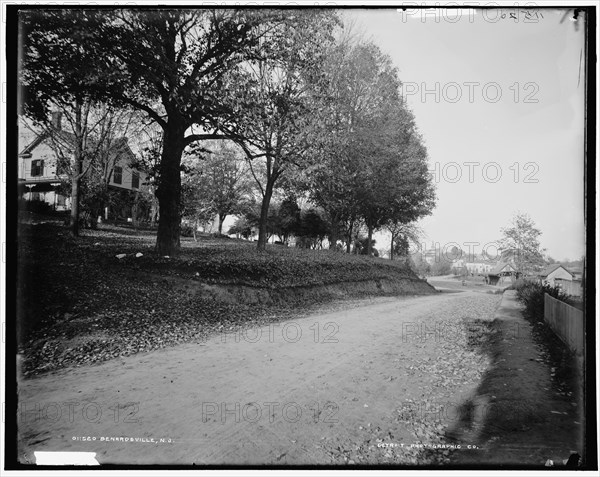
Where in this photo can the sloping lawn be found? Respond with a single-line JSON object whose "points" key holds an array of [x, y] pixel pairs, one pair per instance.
{"points": [[77, 303], [219, 260]]}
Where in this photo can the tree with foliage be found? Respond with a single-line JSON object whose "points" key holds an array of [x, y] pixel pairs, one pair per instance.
{"points": [[273, 99], [402, 235], [419, 264], [167, 63], [51, 76], [149, 147], [194, 209], [313, 229], [373, 165], [443, 266], [362, 246], [395, 185], [289, 218], [241, 228], [520, 245], [220, 177], [334, 178]]}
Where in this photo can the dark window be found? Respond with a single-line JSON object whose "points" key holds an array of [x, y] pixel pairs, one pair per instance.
{"points": [[37, 168], [118, 175], [60, 200], [135, 180]]}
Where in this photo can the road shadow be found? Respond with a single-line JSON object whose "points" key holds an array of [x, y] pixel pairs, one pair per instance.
{"points": [[527, 409]]}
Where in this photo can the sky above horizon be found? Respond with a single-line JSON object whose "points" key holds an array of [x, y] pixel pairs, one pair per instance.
{"points": [[500, 104]]}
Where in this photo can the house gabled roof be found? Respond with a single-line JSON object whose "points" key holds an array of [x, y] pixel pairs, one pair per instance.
{"points": [[39, 138], [65, 137], [551, 268], [501, 267], [69, 139]]}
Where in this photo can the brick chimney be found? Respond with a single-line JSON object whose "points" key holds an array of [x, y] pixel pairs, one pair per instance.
{"points": [[56, 120]]}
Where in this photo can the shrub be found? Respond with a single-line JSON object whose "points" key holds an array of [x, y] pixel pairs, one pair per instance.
{"points": [[37, 206], [441, 267], [531, 294], [187, 230], [241, 228]]}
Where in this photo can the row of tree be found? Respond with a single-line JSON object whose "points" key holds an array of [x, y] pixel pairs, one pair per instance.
{"points": [[313, 110]]}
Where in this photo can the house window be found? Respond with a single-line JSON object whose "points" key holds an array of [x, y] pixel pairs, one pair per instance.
{"points": [[135, 180], [60, 200], [37, 168], [118, 175]]}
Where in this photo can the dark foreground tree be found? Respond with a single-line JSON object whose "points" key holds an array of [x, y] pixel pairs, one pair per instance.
{"points": [[52, 80], [166, 63]]}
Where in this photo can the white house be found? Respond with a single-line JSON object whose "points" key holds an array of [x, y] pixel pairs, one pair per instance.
{"points": [[40, 173], [479, 268], [555, 272]]}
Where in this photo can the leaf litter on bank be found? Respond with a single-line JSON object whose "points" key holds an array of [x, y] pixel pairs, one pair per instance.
{"points": [[82, 305]]}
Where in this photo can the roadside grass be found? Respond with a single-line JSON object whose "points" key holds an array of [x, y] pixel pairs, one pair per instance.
{"points": [[78, 304]]}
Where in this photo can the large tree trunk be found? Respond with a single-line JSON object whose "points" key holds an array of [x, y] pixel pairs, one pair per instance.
{"points": [[169, 193], [369, 240], [333, 234], [264, 215], [135, 211], [153, 208], [74, 225], [221, 220], [349, 242], [76, 177], [392, 249]]}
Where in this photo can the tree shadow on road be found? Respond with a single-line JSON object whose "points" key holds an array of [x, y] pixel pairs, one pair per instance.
{"points": [[527, 408]]}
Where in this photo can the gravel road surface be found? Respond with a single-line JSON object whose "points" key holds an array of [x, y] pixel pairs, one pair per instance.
{"points": [[375, 384]]}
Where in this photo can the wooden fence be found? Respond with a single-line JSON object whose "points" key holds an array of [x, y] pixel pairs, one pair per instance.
{"points": [[566, 321]]}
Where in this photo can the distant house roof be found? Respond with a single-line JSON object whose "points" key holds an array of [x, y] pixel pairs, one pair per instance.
{"points": [[500, 268], [551, 268]]}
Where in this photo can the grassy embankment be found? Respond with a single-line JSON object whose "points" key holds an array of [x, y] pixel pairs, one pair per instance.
{"points": [[79, 304]]}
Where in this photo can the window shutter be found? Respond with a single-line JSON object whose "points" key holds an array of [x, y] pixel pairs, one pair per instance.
{"points": [[118, 175]]}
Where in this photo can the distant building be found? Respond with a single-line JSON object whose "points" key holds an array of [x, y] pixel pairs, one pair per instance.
{"points": [[555, 272], [501, 274], [556, 275], [577, 273], [479, 268]]}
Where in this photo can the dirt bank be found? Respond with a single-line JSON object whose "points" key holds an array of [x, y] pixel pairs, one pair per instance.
{"points": [[298, 295]]}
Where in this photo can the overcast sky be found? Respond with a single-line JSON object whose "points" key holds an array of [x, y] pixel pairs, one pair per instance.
{"points": [[529, 140]]}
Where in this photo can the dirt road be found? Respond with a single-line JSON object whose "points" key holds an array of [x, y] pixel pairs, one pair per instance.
{"points": [[354, 386]]}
